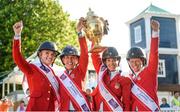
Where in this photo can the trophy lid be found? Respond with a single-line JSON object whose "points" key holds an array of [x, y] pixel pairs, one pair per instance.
{"points": [[90, 13]]}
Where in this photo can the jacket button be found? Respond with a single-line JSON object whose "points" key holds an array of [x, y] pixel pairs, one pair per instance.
{"points": [[49, 92], [48, 99], [49, 85]]}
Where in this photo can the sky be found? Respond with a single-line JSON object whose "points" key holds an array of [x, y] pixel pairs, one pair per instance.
{"points": [[117, 12]]}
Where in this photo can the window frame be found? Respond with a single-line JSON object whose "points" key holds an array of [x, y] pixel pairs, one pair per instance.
{"points": [[162, 61], [137, 34]]}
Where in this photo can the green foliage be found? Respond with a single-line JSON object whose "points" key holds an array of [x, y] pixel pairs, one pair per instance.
{"points": [[42, 20]]}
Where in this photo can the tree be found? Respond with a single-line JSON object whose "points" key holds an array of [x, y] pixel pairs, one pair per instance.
{"points": [[42, 19]]}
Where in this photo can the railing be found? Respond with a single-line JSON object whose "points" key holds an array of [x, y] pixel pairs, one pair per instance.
{"points": [[171, 109]]}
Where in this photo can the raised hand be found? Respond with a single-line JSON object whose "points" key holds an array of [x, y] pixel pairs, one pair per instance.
{"points": [[155, 25], [81, 24], [17, 27]]}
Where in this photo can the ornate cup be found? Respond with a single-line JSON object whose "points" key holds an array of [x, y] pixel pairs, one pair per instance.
{"points": [[95, 28]]}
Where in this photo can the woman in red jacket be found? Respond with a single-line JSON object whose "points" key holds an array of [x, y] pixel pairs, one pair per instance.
{"points": [[144, 78], [43, 84], [113, 90], [72, 96]]}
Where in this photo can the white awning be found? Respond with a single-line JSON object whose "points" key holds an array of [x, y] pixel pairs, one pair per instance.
{"points": [[16, 76]]}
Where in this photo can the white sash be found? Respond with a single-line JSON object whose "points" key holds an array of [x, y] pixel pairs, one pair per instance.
{"points": [[25, 87], [144, 98], [49, 74], [73, 91], [110, 99]]}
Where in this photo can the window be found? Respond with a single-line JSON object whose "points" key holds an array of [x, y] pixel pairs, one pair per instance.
{"points": [[137, 34], [91, 74], [161, 68], [91, 80]]}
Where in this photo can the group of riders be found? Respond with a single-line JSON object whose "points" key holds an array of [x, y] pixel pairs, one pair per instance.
{"points": [[61, 90]]}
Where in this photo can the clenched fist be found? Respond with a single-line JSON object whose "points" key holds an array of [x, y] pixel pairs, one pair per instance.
{"points": [[17, 27], [155, 25]]}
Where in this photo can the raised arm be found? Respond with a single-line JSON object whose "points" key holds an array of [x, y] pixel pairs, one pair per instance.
{"points": [[97, 61], [17, 56], [83, 60], [154, 54]]}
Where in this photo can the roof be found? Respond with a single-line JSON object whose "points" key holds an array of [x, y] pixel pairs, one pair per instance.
{"points": [[3, 75], [152, 10], [155, 10]]}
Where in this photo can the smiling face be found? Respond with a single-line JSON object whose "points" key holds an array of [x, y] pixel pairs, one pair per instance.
{"points": [[136, 64], [111, 63], [70, 61], [47, 57]]}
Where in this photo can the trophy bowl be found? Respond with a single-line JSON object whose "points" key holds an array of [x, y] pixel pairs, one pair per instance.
{"points": [[95, 28]]}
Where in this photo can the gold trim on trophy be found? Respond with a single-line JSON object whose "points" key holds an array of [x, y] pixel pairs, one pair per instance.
{"points": [[95, 28]]}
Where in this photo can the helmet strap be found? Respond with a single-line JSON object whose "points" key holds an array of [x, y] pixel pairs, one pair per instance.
{"points": [[119, 62], [131, 69], [53, 61], [136, 74]]}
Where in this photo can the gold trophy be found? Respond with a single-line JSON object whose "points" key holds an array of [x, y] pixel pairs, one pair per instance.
{"points": [[95, 28]]}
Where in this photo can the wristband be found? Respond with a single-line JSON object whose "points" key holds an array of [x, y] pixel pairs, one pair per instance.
{"points": [[17, 36], [155, 34], [80, 34]]}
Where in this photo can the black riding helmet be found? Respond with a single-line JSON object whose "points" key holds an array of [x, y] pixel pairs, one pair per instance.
{"points": [[136, 52], [69, 50], [47, 45], [110, 52]]}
